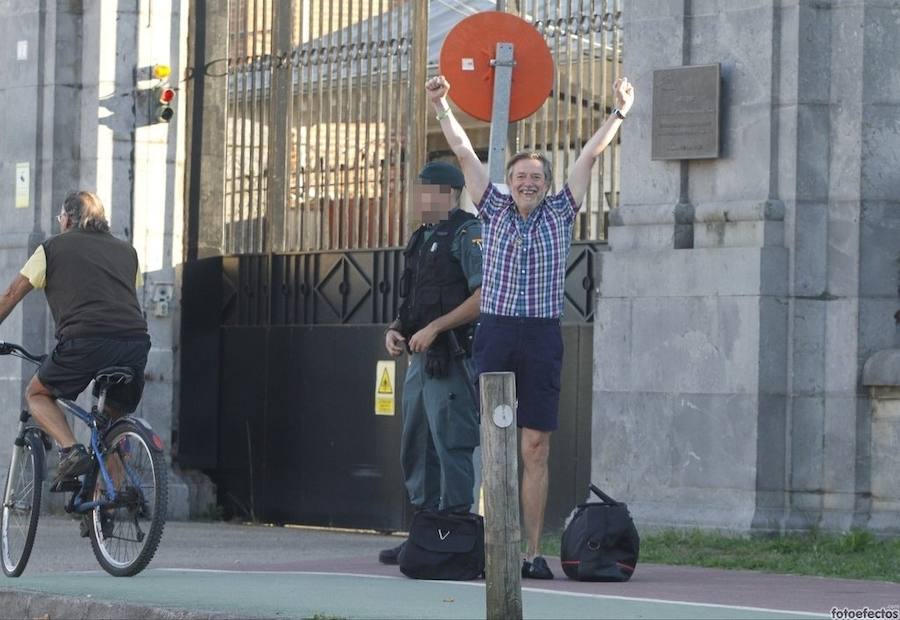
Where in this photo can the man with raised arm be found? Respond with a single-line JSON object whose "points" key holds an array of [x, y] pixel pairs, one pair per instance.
{"points": [[526, 238]]}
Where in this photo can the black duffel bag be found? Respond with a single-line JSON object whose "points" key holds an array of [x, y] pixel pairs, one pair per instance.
{"points": [[444, 545], [600, 543]]}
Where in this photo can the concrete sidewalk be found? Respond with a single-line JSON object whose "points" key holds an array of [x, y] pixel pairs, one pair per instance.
{"points": [[213, 570]]}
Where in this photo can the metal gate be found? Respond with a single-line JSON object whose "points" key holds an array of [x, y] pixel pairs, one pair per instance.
{"points": [[301, 153], [325, 117]]}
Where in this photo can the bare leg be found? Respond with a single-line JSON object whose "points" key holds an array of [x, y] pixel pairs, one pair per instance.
{"points": [[535, 452], [113, 463], [116, 469], [50, 417]]}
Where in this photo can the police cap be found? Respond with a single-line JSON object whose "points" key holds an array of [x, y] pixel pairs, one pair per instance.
{"points": [[442, 173]]}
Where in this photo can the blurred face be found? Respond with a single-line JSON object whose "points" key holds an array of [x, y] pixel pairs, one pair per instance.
{"points": [[431, 203], [527, 183]]}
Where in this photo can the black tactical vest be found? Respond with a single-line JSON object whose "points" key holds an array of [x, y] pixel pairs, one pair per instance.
{"points": [[433, 281]]}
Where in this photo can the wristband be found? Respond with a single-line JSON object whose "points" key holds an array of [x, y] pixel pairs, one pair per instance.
{"points": [[443, 113], [619, 114]]}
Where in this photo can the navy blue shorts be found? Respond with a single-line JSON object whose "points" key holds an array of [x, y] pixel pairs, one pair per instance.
{"points": [[73, 364], [533, 349]]}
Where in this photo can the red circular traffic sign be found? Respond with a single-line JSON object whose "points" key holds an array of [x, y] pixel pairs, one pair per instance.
{"points": [[466, 63]]}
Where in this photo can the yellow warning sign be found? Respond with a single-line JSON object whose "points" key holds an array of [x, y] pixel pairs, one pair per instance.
{"points": [[384, 387]]}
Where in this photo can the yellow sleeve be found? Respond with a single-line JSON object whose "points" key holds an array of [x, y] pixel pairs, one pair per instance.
{"points": [[138, 279], [36, 268]]}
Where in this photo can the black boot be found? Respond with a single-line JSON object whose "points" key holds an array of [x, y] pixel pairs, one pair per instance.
{"points": [[392, 555]]}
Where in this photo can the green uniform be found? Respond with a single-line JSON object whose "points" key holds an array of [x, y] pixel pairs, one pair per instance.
{"points": [[440, 421]]}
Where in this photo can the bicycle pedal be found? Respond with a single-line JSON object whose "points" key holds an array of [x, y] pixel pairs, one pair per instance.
{"points": [[66, 485]]}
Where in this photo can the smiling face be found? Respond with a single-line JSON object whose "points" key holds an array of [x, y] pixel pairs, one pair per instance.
{"points": [[527, 184]]}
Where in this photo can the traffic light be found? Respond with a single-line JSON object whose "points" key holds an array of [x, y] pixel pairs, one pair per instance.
{"points": [[161, 72], [162, 97]]}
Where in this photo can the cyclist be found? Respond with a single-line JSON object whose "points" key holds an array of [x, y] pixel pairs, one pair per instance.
{"points": [[90, 280]]}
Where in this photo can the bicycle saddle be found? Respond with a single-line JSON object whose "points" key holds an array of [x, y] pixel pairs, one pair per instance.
{"points": [[114, 375]]}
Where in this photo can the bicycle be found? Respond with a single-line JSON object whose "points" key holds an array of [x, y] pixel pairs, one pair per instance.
{"points": [[122, 498]]}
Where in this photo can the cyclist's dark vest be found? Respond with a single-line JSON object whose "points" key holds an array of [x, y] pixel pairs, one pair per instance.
{"points": [[433, 281], [90, 286]]}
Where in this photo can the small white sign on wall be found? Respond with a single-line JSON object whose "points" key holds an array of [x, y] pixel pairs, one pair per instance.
{"points": [[23, 184], [22, 50]]}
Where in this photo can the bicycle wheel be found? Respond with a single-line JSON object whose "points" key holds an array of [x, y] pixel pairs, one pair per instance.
{"points": [[126, 533], [21, 504]]}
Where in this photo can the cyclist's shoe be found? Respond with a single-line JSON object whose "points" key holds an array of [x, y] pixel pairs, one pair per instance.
{"points": [[392, 555], [536, 569], [73, 462], [106, 524]]}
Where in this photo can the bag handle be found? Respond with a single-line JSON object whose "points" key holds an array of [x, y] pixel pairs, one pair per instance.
{"points": [[603, 496]]}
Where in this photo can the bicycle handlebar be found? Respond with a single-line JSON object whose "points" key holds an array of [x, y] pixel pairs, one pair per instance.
{"points": [[7, 348]]}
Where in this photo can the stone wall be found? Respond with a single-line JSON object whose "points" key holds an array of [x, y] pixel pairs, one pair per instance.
{"points": [[742, 295], [77, 110]]}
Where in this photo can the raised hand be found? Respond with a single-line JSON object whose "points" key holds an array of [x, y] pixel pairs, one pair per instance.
{"points": [[624, 93], [437, 88]]}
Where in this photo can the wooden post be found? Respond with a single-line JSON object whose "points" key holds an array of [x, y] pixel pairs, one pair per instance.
{"points": [[502, 535]]}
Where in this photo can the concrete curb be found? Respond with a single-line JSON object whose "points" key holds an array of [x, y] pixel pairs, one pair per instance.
{"points": [[27, 604]]}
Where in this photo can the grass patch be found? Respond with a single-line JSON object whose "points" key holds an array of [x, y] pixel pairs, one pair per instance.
{"points": [[854, 555]]}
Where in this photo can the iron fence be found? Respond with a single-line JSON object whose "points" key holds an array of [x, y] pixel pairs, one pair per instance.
{"points": [[325, 115]]}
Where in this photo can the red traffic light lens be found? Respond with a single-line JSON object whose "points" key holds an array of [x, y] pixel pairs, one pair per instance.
{"points": [[166, 95]]}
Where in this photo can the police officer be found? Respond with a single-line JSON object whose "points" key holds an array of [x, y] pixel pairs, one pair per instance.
{"points": [[441, 291]]}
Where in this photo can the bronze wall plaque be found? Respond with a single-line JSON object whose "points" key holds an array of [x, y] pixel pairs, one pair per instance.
{"points": [[686, 112]]}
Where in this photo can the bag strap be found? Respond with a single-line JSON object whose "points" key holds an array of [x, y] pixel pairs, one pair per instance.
{"points": [[603, 496]]}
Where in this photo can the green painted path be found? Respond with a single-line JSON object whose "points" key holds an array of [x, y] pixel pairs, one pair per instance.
{"points": [[294, 594], [239, 571]]}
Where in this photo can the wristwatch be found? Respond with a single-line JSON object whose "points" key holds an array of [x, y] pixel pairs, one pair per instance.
{"points": [[619, 114]]}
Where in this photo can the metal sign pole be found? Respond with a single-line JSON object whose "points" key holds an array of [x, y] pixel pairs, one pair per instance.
{"points": [[503, 67], [502, 535]]}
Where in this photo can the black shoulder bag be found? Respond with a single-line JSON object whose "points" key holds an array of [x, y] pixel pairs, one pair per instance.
{"points": [[600, 543], [444, 545]]}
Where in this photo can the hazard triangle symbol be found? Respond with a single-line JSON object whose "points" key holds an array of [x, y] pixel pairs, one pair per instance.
{"points": [[384, 386]]}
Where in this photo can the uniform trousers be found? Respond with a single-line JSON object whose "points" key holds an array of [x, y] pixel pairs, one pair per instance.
{"points": [[440, 432]]}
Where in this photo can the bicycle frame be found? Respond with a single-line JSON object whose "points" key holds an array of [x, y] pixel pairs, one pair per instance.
{"points": [[78, 504], [113, 488]]}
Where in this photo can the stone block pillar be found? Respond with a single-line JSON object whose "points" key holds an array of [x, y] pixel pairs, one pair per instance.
{"points": [[742, 294], [75, 85]]}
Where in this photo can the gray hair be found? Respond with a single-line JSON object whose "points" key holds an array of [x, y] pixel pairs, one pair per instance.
{"points": [[86, 211]]}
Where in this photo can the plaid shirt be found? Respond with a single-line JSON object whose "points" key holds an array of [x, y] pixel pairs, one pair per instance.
{"points": [[525, 260]]}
